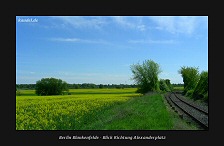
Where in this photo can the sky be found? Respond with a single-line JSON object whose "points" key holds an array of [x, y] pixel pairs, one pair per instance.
{"points": [[101, 49]]}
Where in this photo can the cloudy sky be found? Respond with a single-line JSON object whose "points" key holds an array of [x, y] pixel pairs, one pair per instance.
{"points": [[100, 49]]}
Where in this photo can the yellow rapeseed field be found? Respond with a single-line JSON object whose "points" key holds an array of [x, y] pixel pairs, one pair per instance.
{"points": [[65, 112]]}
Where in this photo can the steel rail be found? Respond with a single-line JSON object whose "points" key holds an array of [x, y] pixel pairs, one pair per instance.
{"points": [[201, 123]]}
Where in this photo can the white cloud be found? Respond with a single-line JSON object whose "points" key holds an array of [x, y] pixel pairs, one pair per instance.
{"points": [[152, 41], [176, 24], [82, 21], [141, 27], [99, 41], [65, 39], [131, 22]]}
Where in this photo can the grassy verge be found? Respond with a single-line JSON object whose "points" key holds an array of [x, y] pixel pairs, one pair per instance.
{"points": [[139, 113]]}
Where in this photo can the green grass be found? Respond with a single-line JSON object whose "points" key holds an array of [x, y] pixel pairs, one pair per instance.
{"points": [[93, 109], [140, 113], [25, 93], [178, 88]]}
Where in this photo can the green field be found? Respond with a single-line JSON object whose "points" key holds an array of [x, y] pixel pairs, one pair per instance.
{"points": [[178, 88], [92, 109]]}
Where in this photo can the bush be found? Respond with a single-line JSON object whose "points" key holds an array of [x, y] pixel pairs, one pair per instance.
{"points": [[18, 93], [190, 93], [163, 86], [50, 86]]}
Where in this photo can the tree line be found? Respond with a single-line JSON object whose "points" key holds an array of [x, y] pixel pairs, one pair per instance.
{"points": [[88, 86], [80, 86]]}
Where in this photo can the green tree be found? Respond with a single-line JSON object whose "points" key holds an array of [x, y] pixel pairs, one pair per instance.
{"points": [[146, 76], [51, 86], [165, 85], [101, 86], [169, 84], [190, 77], [201, 90]]}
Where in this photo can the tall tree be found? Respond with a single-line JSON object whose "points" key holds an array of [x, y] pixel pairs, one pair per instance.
{"points": [[190, 77], [146, 75]]}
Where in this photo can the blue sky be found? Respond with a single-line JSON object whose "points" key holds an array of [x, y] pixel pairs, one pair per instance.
{"points": [[100, 49]]}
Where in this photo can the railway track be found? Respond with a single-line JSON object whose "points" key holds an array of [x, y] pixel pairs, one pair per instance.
{"points": [[196, 113]]}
